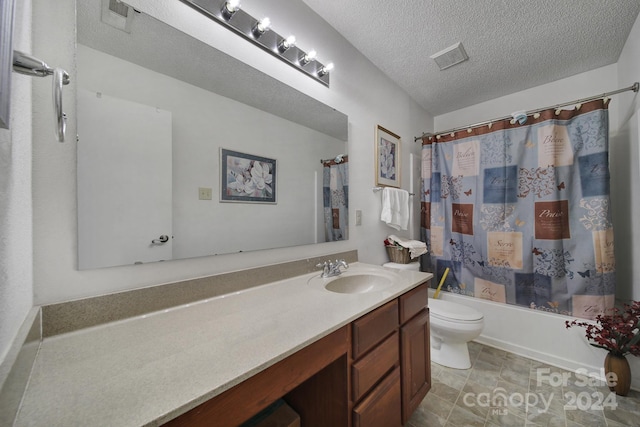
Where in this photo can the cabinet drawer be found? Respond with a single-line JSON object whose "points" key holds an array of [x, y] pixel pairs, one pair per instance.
{"points": [[381, 408], [413, 301], [366, 372], [372, 328]]}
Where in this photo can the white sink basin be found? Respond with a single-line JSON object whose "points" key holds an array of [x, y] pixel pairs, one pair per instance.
{"points": [[357, 282]]}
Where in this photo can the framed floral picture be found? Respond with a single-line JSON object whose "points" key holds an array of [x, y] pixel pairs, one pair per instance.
{"points": [[387, 155], [247, 178]]}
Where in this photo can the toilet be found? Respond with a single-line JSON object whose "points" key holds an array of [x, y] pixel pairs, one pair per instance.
{"points": [[452, 326]]}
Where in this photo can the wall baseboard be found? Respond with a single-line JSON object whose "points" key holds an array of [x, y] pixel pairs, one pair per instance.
{"points": [[530, 353]]}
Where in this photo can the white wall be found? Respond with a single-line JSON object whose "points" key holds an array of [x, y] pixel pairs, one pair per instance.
{"points": [[579, 86], [16, 279], [626, 171], [357, 89]]}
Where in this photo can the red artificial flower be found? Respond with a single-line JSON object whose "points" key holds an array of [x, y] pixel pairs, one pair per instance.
{"points": [[618, 333]]}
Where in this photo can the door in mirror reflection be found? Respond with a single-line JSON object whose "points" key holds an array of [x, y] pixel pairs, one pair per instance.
{"points": [[124, 173]]}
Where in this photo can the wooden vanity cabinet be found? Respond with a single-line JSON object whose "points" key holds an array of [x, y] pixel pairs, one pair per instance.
{"points": [[391, 368], [373, 372], [313, 381]]}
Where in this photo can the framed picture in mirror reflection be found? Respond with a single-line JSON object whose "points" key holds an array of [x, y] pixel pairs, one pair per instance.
{"points": [[387, 154], [247, 178]]}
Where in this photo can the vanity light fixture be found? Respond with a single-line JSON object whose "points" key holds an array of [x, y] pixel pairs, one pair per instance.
{"points": [[229, 8], [324, 70], [261, 27], [307, 57], [286, 44], [260, 33]]}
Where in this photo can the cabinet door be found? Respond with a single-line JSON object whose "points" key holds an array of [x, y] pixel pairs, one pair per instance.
{"points": [[382, 407], [416, 363]]}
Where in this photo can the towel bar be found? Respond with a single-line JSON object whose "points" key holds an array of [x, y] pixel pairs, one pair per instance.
{"points": [[26, 64], [376, 189]]}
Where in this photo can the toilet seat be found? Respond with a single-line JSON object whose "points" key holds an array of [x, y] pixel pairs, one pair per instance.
{"points": [[453, 312]]}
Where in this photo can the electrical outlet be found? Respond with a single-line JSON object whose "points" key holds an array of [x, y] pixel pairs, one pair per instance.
{"points": [[204, 193], [358, 217]]}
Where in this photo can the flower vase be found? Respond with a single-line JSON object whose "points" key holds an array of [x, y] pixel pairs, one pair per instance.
{"points": [[618, 365]]}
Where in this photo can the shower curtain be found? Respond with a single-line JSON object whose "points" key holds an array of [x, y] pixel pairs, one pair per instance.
{"points": [[335, 192], [520, 213]]}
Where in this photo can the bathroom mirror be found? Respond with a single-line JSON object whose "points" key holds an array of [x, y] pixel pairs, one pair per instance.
{"points": [[156, 108]]}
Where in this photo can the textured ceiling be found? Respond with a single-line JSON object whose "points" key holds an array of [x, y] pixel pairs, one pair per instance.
{"points": [[512, 44]]}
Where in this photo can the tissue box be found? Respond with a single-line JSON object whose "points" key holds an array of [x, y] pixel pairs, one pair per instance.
{"points": [[398, 254]]}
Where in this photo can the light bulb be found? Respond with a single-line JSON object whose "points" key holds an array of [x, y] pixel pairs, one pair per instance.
{"points": [[324, 70], [229, 8], [287, 43], [262, 26], [308, 57]]}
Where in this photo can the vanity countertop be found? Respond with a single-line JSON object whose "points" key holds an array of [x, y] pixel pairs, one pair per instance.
{"points": [[149, 369]]}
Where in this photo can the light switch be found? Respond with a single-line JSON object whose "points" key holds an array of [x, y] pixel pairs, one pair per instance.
{"points": [[204, 193], [358, 217]]}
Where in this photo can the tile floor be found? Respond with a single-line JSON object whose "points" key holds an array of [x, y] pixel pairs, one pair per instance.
{"points": [[495, 392]]}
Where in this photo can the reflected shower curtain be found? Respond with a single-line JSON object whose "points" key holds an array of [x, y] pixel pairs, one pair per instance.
{"points": [[335, 192], [521, 213]]}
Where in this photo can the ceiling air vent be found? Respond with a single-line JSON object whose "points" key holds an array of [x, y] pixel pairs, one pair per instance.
{"points": [[117, 14], [450, 56]]}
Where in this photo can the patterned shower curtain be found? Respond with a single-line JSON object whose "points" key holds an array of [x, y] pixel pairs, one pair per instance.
{"points": [[520, 214], [335, 192]]}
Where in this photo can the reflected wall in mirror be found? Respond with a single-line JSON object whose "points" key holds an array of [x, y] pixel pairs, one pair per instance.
{"points": [[155, 106]]}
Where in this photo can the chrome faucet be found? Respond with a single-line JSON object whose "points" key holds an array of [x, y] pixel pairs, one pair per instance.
{"points": [[330, 269]]}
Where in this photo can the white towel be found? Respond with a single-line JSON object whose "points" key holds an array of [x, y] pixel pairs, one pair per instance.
{"points": [[395, 208], [416, 247]]}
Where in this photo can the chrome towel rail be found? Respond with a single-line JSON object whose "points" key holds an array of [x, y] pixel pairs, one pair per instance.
{"points": [[376, 189], [27, 64]]}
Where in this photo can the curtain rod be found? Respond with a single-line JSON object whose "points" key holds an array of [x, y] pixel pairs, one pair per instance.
{"points": [[338, 159], [634, 87]]}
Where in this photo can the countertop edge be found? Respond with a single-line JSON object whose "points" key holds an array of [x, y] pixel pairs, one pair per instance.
{"points": [[32, 414]]}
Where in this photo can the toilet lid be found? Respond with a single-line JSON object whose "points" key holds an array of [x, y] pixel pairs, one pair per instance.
{"points": [[451, 310], [415, 266]]}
